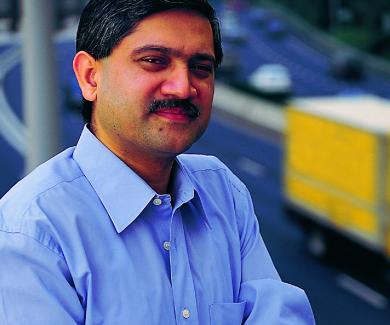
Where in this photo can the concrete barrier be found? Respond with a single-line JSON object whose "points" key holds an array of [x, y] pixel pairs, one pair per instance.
{"points": [[249, 107]]}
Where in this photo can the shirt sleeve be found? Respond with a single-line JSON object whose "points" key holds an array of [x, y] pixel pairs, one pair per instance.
{"points": [[268, 300], [35, 284]]}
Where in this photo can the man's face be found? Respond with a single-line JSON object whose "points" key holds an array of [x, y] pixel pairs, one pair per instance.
{"points": [[169, 56]]}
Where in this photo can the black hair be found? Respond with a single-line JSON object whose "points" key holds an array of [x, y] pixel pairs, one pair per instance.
{"points": [[104, 23]]}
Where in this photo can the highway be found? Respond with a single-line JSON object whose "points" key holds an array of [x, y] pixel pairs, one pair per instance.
{"points": [[308, 63], [336, 292], [339, 293]]}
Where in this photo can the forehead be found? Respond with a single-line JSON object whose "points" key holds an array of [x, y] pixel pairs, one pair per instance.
{"points": [[183, 30]]}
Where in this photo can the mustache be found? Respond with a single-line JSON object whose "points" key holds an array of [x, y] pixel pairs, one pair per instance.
{"points": [[189, 108]]}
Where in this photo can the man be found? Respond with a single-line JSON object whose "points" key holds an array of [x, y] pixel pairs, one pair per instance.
{"points": [[123, 229]]}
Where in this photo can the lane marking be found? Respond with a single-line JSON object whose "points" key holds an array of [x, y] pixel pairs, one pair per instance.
{"points": [[362, 291], [12, 129], [8, 59], [251, 167]]}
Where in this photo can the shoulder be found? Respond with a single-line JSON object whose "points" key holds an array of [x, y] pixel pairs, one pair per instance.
{"points": [[222, 194], [209, 169], [34, 193], [195, 162]]}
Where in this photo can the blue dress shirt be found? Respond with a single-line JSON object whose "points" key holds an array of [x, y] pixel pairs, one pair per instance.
{"points": [[84, 240]]}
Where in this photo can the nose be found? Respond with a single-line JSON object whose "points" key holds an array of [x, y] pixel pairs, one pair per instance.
{"points": [[178, 84]]}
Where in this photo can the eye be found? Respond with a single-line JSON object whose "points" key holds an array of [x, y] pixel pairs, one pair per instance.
{"points": [[152, 63], [202, 70], [153, 60]]}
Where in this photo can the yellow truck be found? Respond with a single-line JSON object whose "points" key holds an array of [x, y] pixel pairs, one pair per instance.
{"points": [[337, 170]]}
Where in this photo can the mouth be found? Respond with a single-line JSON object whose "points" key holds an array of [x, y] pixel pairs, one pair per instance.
{"points": [[176, 114], [175, 109]]}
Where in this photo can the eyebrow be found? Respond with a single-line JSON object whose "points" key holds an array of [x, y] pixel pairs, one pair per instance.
{"points": [[170, 51]]}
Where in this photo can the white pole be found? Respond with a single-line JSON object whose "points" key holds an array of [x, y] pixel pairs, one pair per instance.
{"points": [[41, 104]]}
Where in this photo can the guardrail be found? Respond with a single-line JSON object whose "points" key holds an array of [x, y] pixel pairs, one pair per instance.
{"points": [[249, 107]]}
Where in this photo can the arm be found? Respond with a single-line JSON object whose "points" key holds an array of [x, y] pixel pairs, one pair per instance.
{"points": [[268, 299], [35, 284]]}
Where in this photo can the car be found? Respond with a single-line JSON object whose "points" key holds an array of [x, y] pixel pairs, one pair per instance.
{"points": [[9, 15], [347, 65], [231, 29], [271, 79], [258, 17], [276, 28], [230, 65]]}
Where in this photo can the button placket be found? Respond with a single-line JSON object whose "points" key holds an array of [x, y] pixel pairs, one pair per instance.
{"points": [[181, 275]]}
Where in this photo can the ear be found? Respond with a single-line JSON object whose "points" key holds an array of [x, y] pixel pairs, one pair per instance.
{"points": [[84, 66]]}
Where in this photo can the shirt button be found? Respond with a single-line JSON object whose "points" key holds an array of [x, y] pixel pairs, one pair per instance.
{"points": [[185, 313], [157, 201], [167, 245]]}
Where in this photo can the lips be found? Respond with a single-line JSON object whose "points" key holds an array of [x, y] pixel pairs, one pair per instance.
{"points": [[177, 109], [175, 114]]}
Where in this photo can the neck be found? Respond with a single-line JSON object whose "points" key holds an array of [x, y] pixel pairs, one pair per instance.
{"points": [[154, 168], [156, 172]]}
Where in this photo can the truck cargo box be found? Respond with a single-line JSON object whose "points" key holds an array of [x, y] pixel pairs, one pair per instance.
{"points": [[337, 166]]}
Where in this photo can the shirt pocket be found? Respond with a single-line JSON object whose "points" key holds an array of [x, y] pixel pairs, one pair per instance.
{"points": [[227, 313]]}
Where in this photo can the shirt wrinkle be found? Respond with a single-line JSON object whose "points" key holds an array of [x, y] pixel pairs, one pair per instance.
{"points": [[48, 243], [169, 265], [46, 190], [40, 236]]}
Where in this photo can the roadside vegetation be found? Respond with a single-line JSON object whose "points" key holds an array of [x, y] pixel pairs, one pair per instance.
{"points": [[362, 24]]}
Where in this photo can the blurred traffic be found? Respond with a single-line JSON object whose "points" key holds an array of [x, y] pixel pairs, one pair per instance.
{"points": [[336, 172], [271, 79], [257, 37]]}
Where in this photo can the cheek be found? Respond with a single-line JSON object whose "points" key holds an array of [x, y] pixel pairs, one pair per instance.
{"points": [[206, 92], [121, 96], [112, 108], [207, 102], [119, 82]]}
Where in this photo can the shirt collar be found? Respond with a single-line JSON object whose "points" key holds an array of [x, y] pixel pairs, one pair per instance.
{"points": [[113, 181], [182, 187], [184, 184], [116, 184]]}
